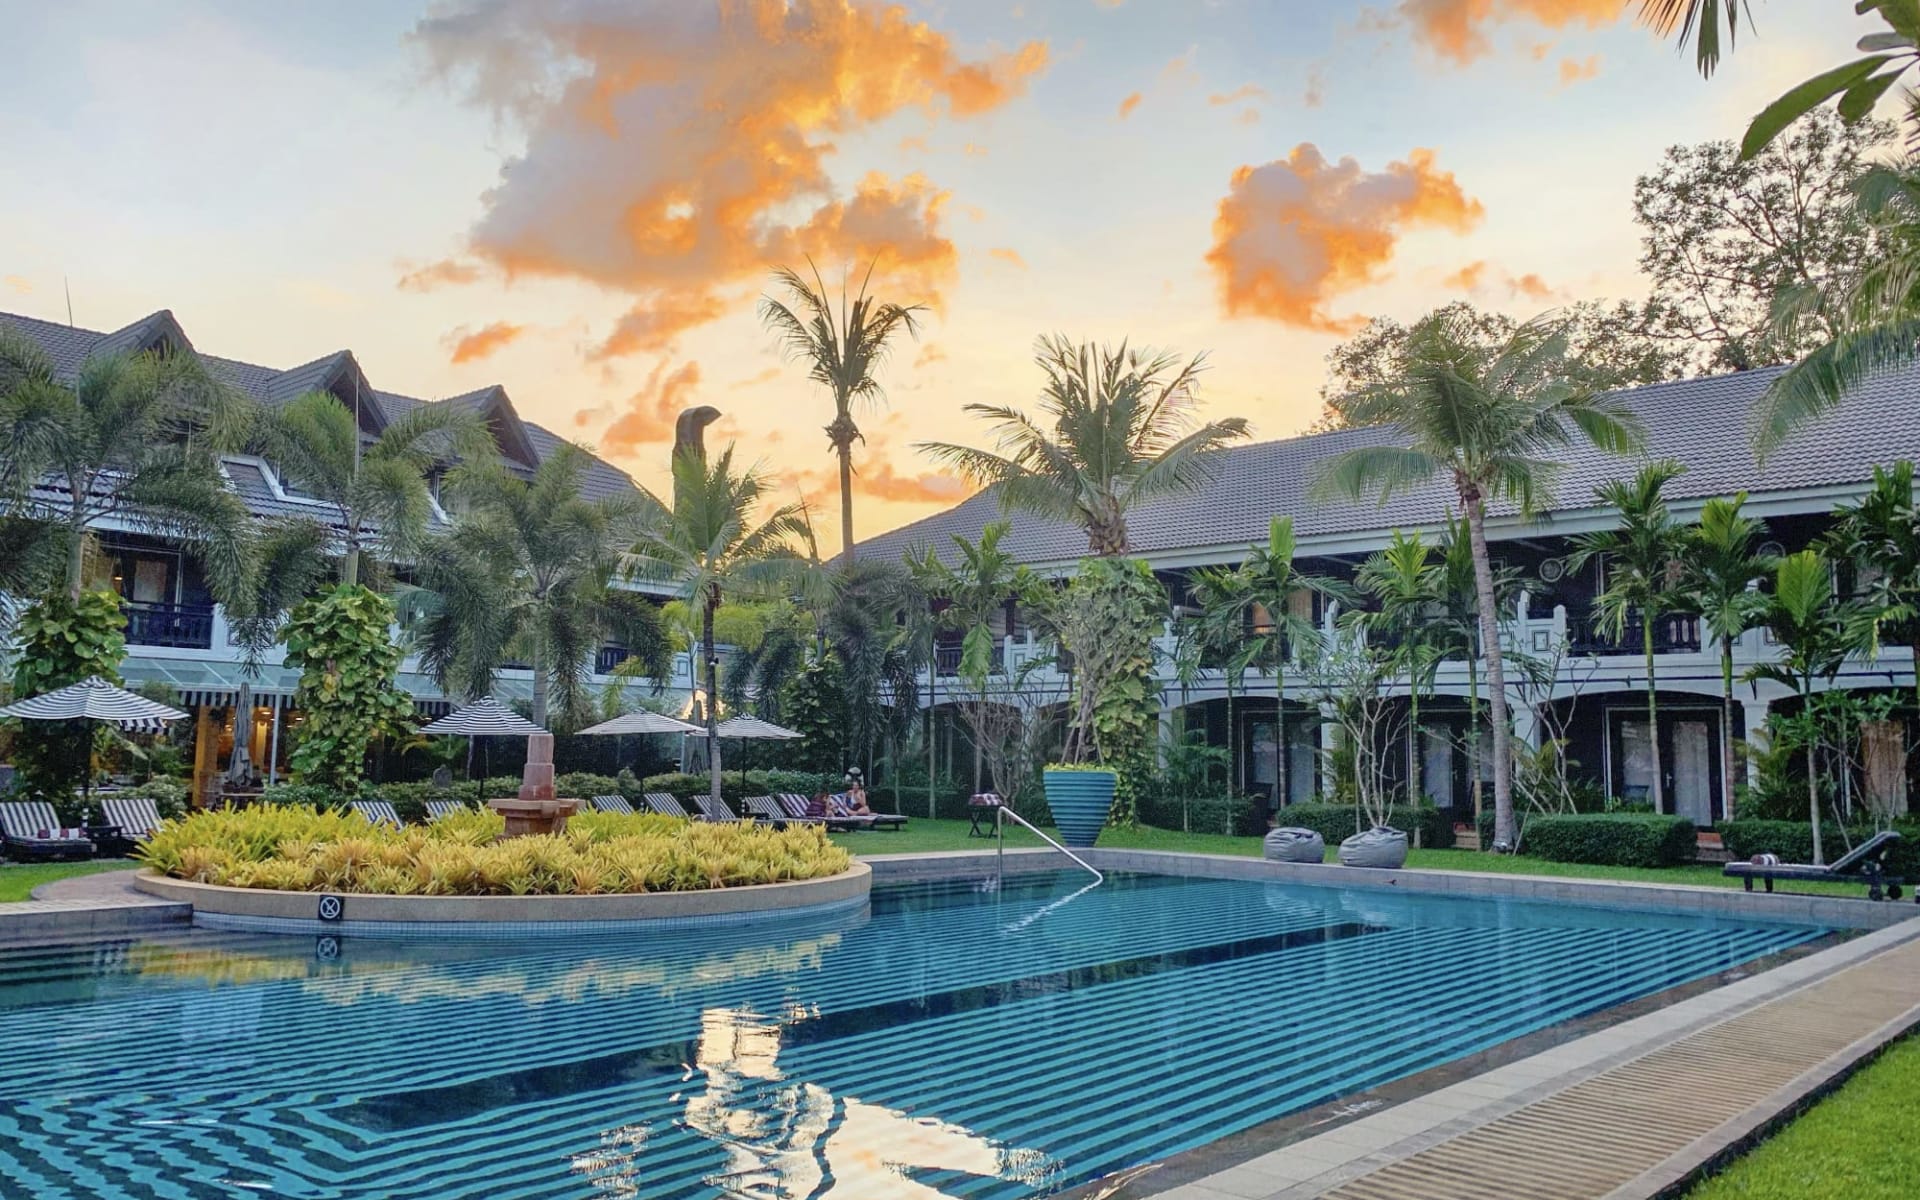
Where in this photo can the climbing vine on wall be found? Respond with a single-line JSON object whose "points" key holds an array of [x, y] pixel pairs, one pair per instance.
{"points": [[340, 644]]}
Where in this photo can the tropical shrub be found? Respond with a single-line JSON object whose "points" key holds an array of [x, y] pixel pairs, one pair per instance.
{"points": [[293, 849], [1611, 839], [1426, 826], [815, 706], [340, 645], [62, 640]]}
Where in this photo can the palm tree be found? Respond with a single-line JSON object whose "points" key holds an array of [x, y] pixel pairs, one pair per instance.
{"points": [[1117, 429], [288, 560], [1407, 586], [1215, 629], [1271, 632], [1811, 627], [707, 545], [1880, 536], [133, 437], [842, 351], [380, 488], [1491, 421], [1644, 561], [975, 588], [1722, 571], [866, 626], [525, 566]]}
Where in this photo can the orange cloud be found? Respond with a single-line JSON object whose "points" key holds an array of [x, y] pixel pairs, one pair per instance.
{"points": [[479, 343], [1458, 30], [1468, 278], [917, 142], [676, 152], [882, 482], [974, 150], [1533, 287], [1479, 277], [1010, 257], [1296, 232], [1246, 91], [1250, 116], [421, 277], [756, 379], [1129, 104], [19, 283], [649, 413], [929, 355], [1574, 71]]}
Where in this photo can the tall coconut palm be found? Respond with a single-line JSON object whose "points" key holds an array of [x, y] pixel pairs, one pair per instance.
{"points": [[866, 625], [1116, 429], [708, 545], [1492, 422], [381, 487], [133, 438], [1643, 558], [842, 349], [1723, 568], [524, 568]]}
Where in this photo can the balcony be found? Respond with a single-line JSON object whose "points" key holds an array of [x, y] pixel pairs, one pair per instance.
{"points": [[176, 626], [1674, 633], [609, 657], [946, 658]]}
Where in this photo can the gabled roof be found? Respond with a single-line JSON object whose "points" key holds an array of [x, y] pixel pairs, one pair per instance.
{"points": [[150, 332], [338, 373], [1705, 424], [509, 432]]}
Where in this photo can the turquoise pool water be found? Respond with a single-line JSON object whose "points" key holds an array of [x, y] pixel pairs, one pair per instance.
{"points": [[956, 1040]]}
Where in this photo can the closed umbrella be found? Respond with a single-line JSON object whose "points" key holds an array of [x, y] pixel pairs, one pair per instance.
{"points": [[92, 700]]}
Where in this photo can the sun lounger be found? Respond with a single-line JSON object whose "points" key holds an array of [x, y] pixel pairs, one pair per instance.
{"points": [[1865, 863], [796, 806], [134, 816], [666, 806], [873, 820], [713, 810], [766, 808], [380, 812], [29, 829], [445, 808], [612, 804]]}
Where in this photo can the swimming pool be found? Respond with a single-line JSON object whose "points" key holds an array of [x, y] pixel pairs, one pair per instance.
{"points": [[959, 1038]]}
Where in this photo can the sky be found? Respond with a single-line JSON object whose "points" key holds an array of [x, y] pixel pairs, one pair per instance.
{"points": [[583, 200]]}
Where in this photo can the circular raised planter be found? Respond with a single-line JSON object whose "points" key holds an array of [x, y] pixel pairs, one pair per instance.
{"points": [[505, 916]]}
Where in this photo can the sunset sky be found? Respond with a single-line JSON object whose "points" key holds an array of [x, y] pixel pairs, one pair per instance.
{"points": [[582, 199]]}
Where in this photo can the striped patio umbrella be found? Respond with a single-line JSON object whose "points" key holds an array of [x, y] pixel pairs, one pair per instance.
{"points": [[640, 722], [94, 699], [485, 717], [753, 727]]}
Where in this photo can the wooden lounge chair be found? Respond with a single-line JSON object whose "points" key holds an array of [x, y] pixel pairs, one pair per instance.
{"points": [[666, 806], [713, 810], [1865, 863], [766, 808], [798, 806], [445, 808], [29, 829], [379, 812], [135, 817]]}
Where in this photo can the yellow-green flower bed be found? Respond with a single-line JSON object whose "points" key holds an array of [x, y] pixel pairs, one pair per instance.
{"points": [[299, 850]]}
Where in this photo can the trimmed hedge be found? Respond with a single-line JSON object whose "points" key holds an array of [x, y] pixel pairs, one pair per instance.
{"points": [[1793, 842], [1611, 839], [1426, 826]]}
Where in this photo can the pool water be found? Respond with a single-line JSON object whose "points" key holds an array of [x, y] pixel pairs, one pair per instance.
{"points": [[959, 1038]]}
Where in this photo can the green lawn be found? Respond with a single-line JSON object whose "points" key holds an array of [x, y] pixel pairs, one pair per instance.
{"points": [[1857, 1144], [17, 880], [923, 835]]}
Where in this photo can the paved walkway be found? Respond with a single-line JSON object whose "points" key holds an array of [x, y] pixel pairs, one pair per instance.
{"points": [[1624, 1113], [86, 906]]}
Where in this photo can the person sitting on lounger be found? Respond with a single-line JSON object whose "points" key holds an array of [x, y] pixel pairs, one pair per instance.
{"points": [[853, 801], [819, 807]]}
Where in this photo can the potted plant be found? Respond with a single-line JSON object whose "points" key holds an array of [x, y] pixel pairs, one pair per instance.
{"points": [[1104, 620]]}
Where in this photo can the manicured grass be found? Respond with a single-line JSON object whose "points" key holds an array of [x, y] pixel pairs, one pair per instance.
{"points": [[922, 835], [17, 880], [1857, 1144]]}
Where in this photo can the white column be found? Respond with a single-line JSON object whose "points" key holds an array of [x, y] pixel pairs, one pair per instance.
{"points": [[273, 742], [1756, 723]]}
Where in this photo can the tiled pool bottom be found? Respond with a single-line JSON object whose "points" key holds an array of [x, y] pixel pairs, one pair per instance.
{"points": [[959, 1040]]}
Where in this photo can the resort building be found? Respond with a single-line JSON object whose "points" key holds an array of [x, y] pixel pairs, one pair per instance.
{"points": [[1593, 692], [178, 636]]}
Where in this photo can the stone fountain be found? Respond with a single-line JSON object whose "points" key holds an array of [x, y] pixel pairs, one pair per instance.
{"points": [[536, 809]]}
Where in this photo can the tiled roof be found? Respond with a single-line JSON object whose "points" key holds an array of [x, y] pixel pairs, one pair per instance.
{"points": [[68, 348], [1703, 423]]}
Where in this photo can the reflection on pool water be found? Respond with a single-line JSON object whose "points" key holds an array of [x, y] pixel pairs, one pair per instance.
{"points": [[960, 1039]]}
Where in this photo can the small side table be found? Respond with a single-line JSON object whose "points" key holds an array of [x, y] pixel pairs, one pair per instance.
{"points": [[980, 818]]}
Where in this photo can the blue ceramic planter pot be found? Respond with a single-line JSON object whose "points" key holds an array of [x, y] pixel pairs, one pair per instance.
{"points": [[1080, 801]]}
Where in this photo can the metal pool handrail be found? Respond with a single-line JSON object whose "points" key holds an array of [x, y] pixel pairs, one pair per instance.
{"points": [[1001, 812]]}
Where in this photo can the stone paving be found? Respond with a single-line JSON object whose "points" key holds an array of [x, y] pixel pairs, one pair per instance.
{"points": [[88, 906]]}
